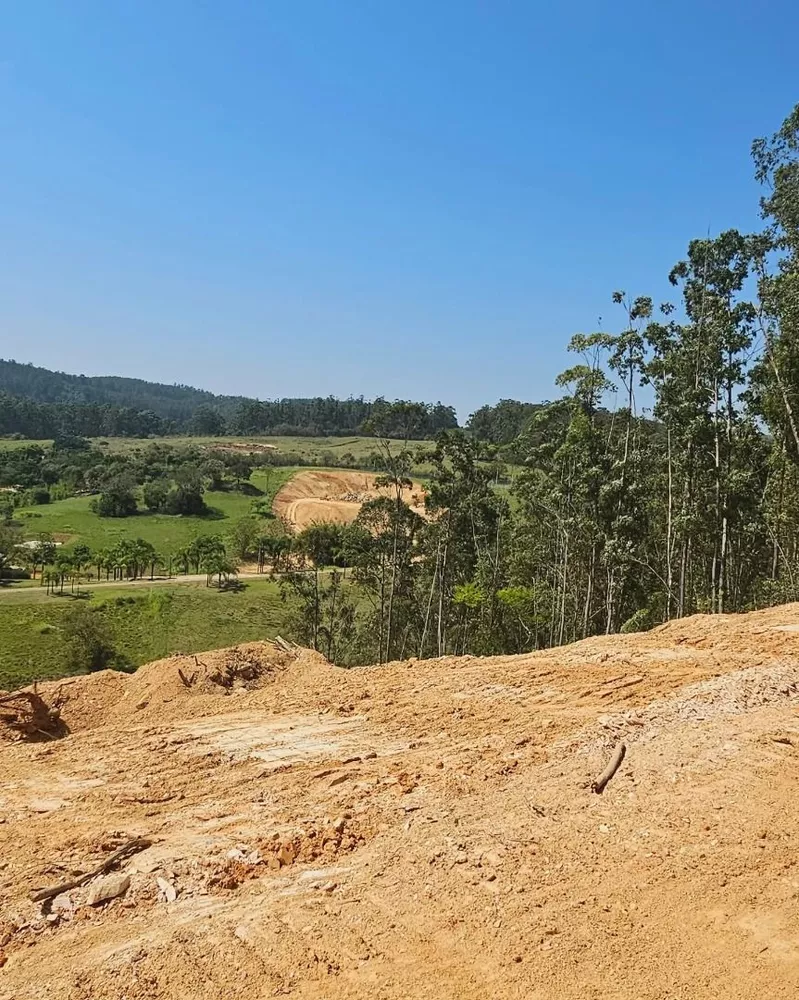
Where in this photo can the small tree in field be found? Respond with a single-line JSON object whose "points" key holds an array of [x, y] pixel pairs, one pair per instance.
{"points": [[88, 642]]}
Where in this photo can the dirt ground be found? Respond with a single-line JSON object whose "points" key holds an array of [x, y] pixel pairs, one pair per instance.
{"points": [[332, 496], [417, 830]]}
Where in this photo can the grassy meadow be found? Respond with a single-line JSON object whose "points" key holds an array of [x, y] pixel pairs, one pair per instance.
{"points": [[147, 623], [72, 520]]}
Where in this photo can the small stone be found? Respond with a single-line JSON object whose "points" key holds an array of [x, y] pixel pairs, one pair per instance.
{"points": [[286, 854], [108, 888], [63, 904], [168, 890]]}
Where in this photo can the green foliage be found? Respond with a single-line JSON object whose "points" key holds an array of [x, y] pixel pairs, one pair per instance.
{"points": [[145, 625], [243, 538], [87, 640], [326, 543], [468, 595], [641, 621], [9, 539], [117, 500], [155, 495]]}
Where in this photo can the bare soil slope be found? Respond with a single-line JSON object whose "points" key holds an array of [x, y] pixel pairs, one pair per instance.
{"points": [[419, 830], [336, 496]]}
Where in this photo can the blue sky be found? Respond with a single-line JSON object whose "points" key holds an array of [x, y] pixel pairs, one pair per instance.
{"points": [[420, 200]]}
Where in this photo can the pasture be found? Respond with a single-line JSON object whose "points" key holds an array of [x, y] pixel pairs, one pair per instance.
{"points": [[147, 623]]}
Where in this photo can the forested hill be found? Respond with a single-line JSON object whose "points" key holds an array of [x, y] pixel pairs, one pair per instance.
{"points": [[39, 403]]}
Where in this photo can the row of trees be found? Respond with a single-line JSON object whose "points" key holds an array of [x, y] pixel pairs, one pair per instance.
{"points": [[129, 559], [618, 518], [265, 545], [37, 403]]}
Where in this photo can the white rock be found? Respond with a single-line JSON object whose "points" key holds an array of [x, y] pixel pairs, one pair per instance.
{"points": [[170, 893], [108, 888], [63, 904]]}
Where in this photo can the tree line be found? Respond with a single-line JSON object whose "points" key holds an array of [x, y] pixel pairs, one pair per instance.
{"points": [[36, 403], [618, 518]]}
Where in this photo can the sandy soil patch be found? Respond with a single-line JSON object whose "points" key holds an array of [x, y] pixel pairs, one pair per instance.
{"points": [[334, 496], [424, 829]]}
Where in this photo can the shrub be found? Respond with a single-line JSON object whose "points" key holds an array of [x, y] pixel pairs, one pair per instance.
{"points": [[115, 502], [641, 621], [88, 642]]}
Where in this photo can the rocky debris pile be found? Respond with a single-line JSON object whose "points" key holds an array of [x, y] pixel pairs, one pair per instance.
{"points": [[149, 877], [352, 496], [727, 695], [319, 842]]}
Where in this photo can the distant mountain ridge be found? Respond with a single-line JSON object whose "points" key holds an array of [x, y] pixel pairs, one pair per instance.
{"points": [[170, 401], [39, 403]]}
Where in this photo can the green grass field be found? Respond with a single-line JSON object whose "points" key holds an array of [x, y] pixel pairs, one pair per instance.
{"points": [[72, 520], [146, 623], [6, 443]]}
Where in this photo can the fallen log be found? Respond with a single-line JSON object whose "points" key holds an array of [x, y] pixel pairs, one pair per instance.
{"points": [[598, 786], [131, 847]]}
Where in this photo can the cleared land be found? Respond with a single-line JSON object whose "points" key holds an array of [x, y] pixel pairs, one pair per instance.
{"points": [[319, 495], [419, 830]]}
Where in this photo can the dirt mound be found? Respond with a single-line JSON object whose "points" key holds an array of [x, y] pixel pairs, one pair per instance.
{"points": [[180, 686], [332, 496], [417, 830]]}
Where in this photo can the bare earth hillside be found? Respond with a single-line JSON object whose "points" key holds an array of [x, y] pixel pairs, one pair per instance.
{"points": [[336, 496], [419, 830]]}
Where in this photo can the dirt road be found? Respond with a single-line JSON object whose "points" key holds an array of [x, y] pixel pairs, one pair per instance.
{"points": [[26, 593], [422, 829]]}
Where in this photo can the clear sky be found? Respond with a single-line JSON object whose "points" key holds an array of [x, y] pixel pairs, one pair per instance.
{"points": [[421, 199]]}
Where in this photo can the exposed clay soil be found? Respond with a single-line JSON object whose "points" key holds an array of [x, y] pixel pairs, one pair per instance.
{"points": [[418, 830], [332, 496]]}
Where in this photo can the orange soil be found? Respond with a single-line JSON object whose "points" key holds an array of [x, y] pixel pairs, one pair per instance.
{"points": [[425, 829], [337, 496]]}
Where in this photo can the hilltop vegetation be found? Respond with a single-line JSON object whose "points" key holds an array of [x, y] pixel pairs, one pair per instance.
{"points": [[37, 403]]}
